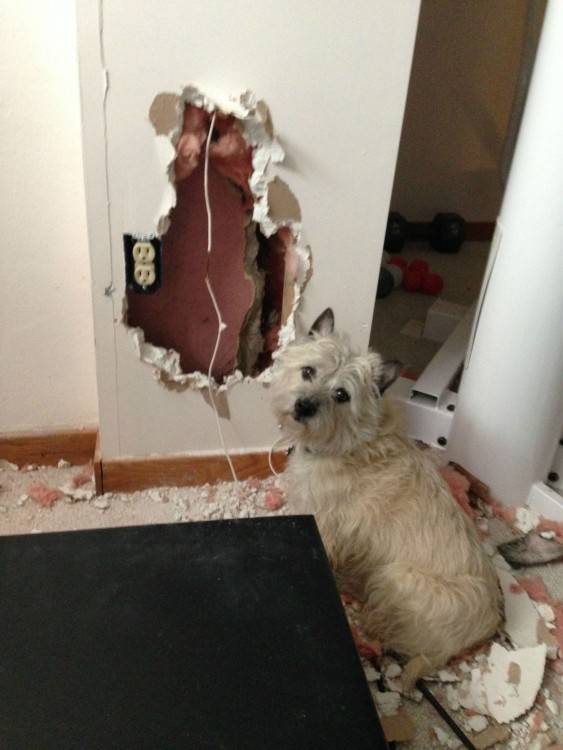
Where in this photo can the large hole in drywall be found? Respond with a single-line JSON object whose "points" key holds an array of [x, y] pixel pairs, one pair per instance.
{"points": [[256, 267]]}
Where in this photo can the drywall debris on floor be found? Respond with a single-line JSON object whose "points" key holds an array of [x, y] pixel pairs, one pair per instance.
{"points": [[526, 624], [75, 505], [496, 671], [80, 486], [505, 684], [223, 218], [500, 692]]}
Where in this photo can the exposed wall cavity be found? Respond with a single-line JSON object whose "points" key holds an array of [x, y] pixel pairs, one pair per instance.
{"points": [[256, 266]]}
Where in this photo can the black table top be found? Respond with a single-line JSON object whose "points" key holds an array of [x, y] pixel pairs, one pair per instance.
{"points": [[208, 635]]}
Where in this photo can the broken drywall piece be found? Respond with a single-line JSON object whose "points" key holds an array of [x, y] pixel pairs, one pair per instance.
{"points": [[299, 275], [164, 113], [506, 684], [265, 117], [521, 616], [166, 365], [164, 361], [524, 623]]}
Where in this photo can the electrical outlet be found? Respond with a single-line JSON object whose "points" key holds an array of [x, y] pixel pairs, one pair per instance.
{"points": [[143, 269], [144, 274], [142, 263], [143, 252]]}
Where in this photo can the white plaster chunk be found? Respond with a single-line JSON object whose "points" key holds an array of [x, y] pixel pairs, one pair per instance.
{"points": [[388, 703], [73, 494], [371, 674], [521, 616], [477, 723], [446, 740], [393, 670], [526, 519], [452, 697], [447, 675], [506, 686]]}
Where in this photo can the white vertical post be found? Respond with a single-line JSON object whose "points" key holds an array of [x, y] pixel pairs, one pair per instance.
{"points": [[510, 409]]}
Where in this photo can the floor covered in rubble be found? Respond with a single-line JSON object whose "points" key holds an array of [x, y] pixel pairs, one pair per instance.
{"points": [[507, 694]]}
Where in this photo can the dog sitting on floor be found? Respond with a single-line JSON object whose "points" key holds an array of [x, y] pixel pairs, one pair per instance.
{"points": [[395, 536]]}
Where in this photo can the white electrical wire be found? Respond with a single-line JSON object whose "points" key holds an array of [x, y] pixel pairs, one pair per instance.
{"points": [[220, 324], [274, 444]]}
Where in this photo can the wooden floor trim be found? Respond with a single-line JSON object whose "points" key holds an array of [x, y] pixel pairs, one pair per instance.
{"points": [[131, 474], [48, 448], [78, 447]]}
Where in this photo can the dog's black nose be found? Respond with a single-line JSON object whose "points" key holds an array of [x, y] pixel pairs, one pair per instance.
{"points": [[303, 409]]}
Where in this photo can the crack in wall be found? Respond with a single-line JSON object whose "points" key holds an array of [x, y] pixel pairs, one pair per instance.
{"points": [[257, 262]]}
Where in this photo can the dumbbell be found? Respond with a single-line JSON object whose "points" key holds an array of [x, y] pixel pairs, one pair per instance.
{"points": [[413, 277], [446, 232]]}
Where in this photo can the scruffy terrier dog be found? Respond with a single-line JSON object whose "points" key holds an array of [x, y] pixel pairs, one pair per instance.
{"points": [[395, 536]]}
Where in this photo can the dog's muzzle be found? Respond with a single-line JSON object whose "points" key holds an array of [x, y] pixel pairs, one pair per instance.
{"points": [[303, 409]]}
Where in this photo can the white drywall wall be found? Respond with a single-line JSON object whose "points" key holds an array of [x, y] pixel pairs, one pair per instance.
{"points": [[508, 417], [335, 78], [47, 365]]}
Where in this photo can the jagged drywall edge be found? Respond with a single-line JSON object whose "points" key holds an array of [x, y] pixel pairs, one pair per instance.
{"points": [[258, 132]]}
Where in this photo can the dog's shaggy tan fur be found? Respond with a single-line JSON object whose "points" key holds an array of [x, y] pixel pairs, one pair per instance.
{"points": [[394, 534]]}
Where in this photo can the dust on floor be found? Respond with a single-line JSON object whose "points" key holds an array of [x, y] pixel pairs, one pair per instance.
{"points": [[505, 695]]}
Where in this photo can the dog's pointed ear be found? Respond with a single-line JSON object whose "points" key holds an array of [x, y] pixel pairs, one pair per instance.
{"points": [[324, 324], [388, 373]]}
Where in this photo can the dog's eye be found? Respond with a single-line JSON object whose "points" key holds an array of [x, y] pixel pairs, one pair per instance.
{"points": [[341, 395], [308, 373]]}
